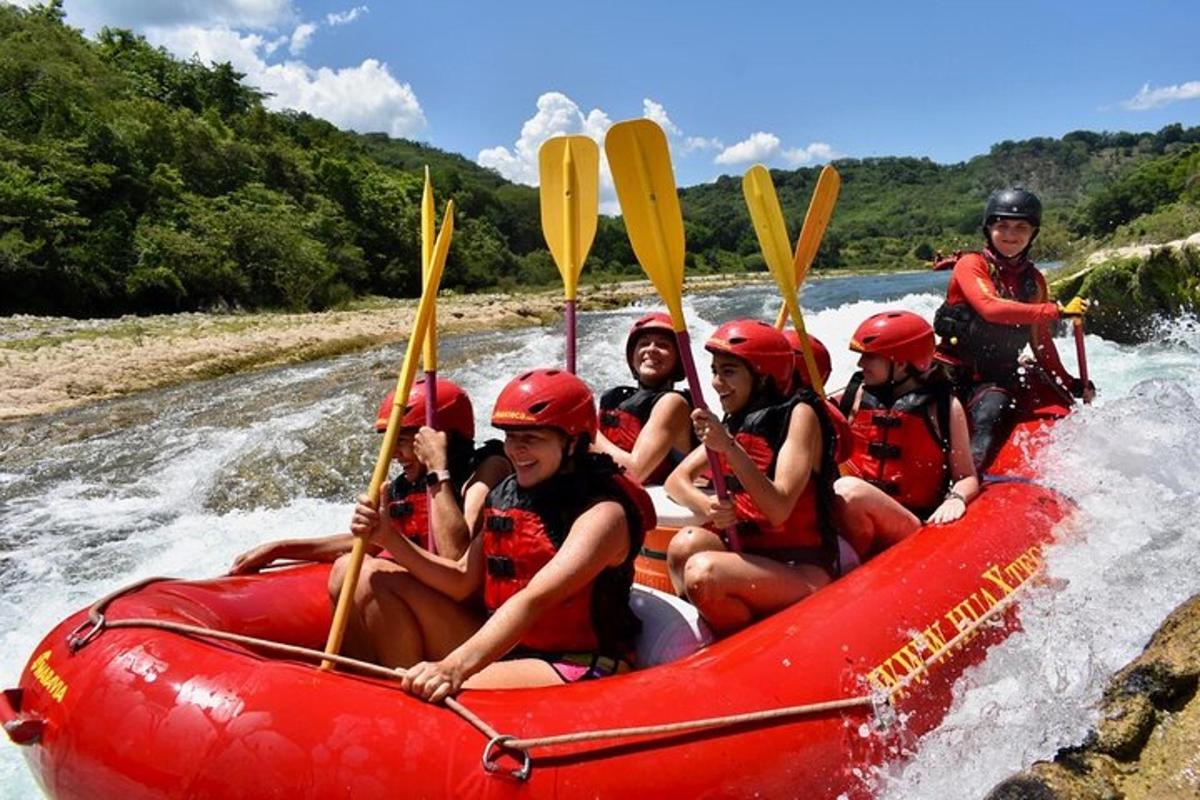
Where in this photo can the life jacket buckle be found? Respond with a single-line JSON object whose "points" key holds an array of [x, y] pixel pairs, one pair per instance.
{"points": [[609, 419], [883, 450], [732, 484], [498, 524], [881, 421], [501, 567], [400, 508]]}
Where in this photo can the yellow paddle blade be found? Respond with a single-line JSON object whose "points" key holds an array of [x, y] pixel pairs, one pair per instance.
{"points": [[763, 205], [645, 183], [429, 355], [404, 382], [820, 211], [569, 170]]}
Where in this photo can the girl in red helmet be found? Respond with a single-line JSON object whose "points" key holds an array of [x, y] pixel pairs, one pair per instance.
{"points": [[911, 458], [552, 560], [443, 465], [996, 304], [820, 353], [645, 428], [776, 454]]}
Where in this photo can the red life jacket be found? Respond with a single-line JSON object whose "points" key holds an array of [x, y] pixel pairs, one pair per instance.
{"points": [[806, 532], [524, 528], [408, 509], [897, 447], [624, 411], [408, 506]]}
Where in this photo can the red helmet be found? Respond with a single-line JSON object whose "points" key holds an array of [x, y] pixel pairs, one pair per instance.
{"points": [[547, 398], [901, 336], [659, 322], [765, 349], [820, 355], [454, 411]]}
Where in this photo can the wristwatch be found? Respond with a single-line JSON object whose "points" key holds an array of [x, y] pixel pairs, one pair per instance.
{"points": [[437, 476]]}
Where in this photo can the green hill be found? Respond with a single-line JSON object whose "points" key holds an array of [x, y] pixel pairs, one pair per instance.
{"points": [[132, 181]]}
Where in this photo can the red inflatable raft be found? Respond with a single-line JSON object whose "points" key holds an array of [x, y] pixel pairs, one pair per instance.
{"points": [[800, 704]]}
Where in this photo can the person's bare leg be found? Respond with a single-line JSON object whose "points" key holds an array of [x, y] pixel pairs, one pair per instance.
{"points": [[512, 674], [868, 517], [733, 589], [355, 641], [684, 545], [406, 621]]}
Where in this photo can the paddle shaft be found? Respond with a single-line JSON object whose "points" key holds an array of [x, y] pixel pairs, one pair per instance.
{"points": [[429, 353], [570, 309], [404, 381], [1080, 354], [684, 342]]}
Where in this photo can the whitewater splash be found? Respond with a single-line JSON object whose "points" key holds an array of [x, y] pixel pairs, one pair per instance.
{"points": [[1126, 561], [177, 482]]}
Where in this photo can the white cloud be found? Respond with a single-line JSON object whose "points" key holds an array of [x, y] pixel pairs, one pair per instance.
{"points": [[761, 146], [767, 147], [301, 37], [654, 111], [1148, 98], [363, 98], [345, 17], [556, 115], [694, 143], [814, 153]]}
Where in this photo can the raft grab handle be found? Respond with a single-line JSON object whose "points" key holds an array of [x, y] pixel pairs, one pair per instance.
{"points": [[21, 728], [492, 750]]}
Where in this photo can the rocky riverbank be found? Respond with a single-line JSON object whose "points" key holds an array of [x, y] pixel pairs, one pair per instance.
{"points": [[49, 364], [1146, 745], [1134, 287]]}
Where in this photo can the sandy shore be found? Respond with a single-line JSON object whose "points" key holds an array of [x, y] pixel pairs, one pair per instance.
{"points": [[48, 364]]}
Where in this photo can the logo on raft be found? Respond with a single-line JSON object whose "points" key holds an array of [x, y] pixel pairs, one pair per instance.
{"points": [[929, 646], [55, 686]]}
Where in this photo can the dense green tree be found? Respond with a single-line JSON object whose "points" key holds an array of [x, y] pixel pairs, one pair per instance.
{"points": [[131, 180]]}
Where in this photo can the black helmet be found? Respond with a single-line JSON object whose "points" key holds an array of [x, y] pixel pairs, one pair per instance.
{"points": [[1014, 203]]}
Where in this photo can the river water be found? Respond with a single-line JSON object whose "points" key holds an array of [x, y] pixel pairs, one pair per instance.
{"points": [[178, 481]]}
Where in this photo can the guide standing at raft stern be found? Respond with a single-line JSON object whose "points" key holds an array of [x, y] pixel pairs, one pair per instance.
{"points": [[996, 303]]}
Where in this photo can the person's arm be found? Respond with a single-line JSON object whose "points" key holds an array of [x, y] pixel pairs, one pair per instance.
{"points": [[486, 477], [326, 548], [681, 483], [975, 283], [793, 466], [599, 538], [1041, 340], [668, 419], [964, 481], [456, 578]]}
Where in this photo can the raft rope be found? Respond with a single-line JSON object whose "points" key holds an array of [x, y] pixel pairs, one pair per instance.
{"points": [[882, 700]]}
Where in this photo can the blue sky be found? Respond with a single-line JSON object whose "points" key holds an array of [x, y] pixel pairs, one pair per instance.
{"points": [[786, 83]]}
